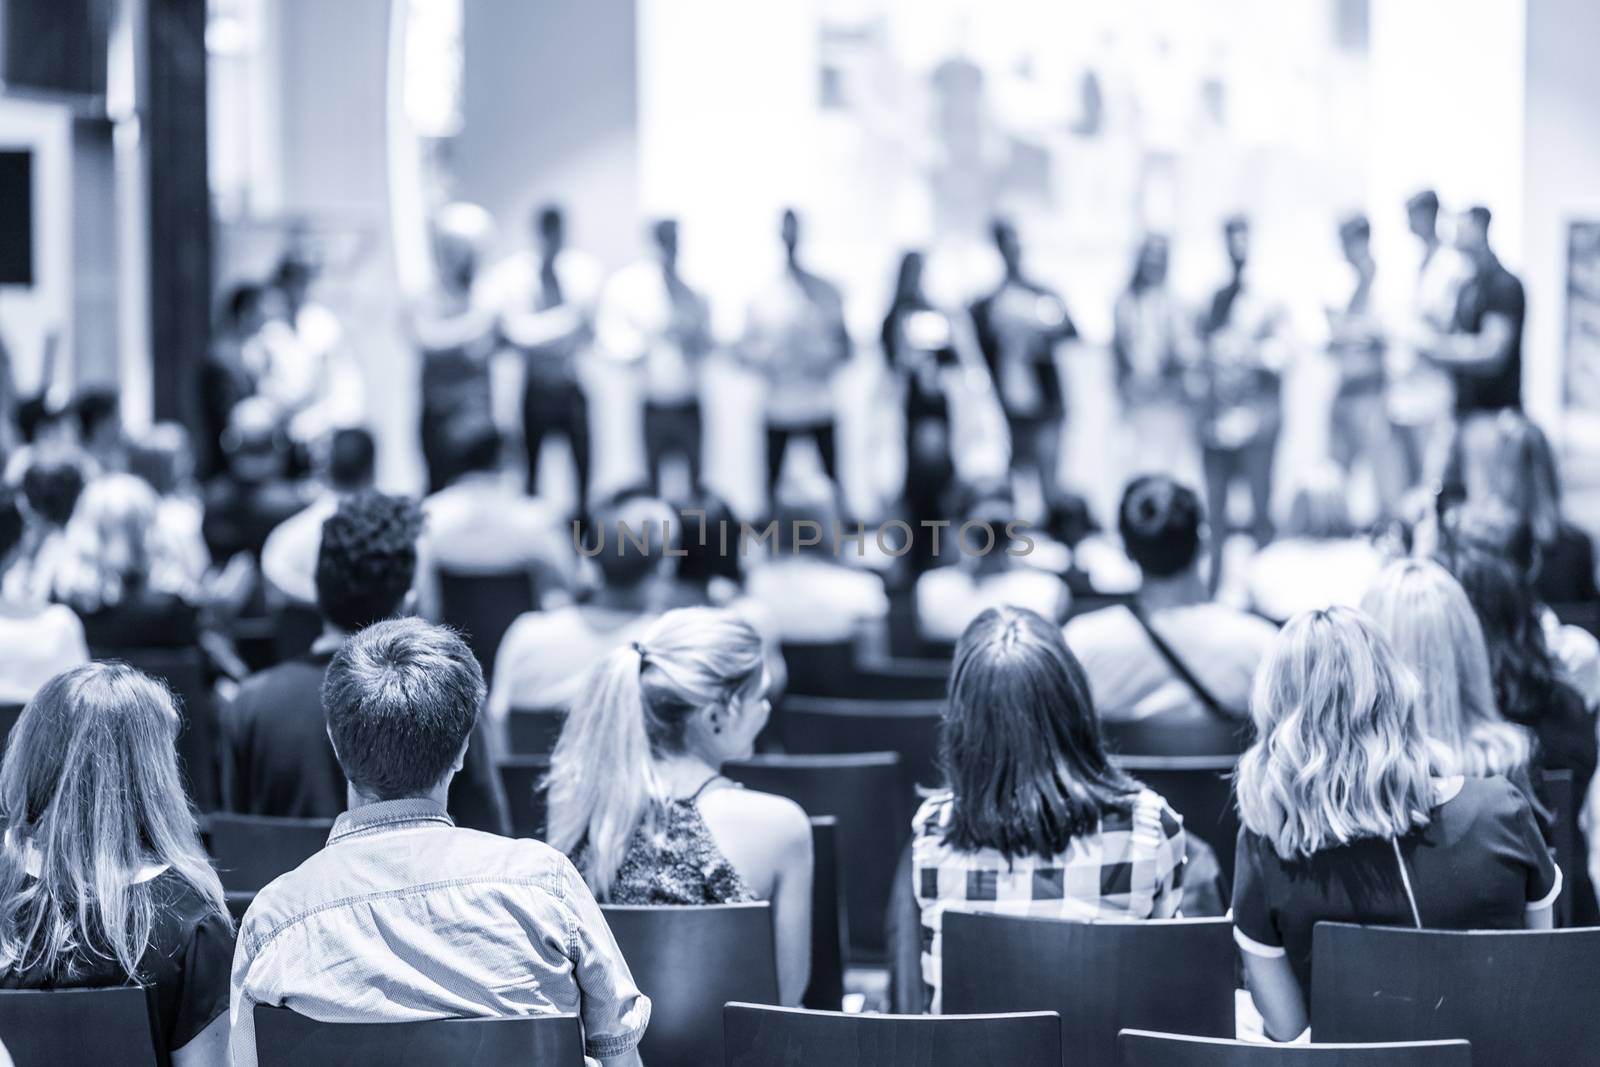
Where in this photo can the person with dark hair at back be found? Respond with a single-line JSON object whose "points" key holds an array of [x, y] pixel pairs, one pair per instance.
{"points": [[41, 640], [406, 916], [1032, 803], [545, 654], [1482, 349], [546, 299], [50, 491], [99, 413], [248, 500], [289, 555], [280, 761], [225, 379], [1174, 652], [48, 428]]}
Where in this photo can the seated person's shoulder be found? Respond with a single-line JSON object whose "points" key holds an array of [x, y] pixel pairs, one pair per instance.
{"points": [[784, 821]]}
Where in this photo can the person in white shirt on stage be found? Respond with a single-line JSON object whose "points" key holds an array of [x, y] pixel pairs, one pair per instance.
{"points": [[302, 361], [796, 338], [546, 300], [651, 319], [1422, 396], [1150, 347]]}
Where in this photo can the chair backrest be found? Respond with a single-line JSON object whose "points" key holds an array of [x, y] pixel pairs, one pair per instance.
{"points": [[483, 607], [251, 850], [1560, 792], [759, 1036], [828, 922], [534, 731], [901, 679], [104, 1026], [1200, 788], [522, 777], [1142, 1048], [822, 669], [285, 1038], [866, 794], [690, 961], [184, 672], [1171, 975], [829, 725], [1522, 997], [9, 714], [1163, 735]]}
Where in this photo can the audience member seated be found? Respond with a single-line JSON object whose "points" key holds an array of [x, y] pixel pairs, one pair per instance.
{"points": [[289, 555], [281, 762], [103, 881], [1320, 560], [1131, 675], [1073, 546], [125, 581], [164, 458], [1035, 810], [99, 413], [49, 430], [253, 495], [639, 802], [481, 523], [406, 916], [545, 655], [1344, 822], [50, 491], [810, 592], [1508, 459], [40, 640], [950, 597]]}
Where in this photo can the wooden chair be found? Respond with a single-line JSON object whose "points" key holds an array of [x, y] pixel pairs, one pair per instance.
{"points": [[73, 1026], [866, 794], [690, 961], [522, 777], [251, 850], [9, 714], [1200, 788], [285, 1038], [1162, 735], [1142, 1048], [184, 672], [1524, 998], [828, 725], [1560, 792], [820, 669], [758, 1036], [483, 607], [534, 731], [1174, 975], [901, 679], [828, 923]]}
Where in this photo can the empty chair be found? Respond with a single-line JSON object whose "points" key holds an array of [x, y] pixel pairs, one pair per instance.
{"points": [[826, 987], [97, 1026], [534, 731], [758, 1036], [901, 679], [522, 778], [285, 1038], [823, 669], [251, 850], [1174, 975], [1142, 1048], [1163, 736], [827, 725], [1200, 788], [866, 794], [483, 607], [1522, 997], [690, 961]]}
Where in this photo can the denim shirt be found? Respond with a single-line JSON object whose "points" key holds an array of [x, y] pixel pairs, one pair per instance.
{"points": [[405, 916]]}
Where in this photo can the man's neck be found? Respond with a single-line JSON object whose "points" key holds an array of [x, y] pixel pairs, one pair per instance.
{"points": [[439, 795], [330, 640], [1179, 591]]}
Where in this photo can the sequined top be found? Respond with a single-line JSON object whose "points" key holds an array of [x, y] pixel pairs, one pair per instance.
{"points": [[675, 862]]}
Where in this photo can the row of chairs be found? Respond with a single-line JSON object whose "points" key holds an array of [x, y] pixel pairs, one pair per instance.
{"points": [[1521, 999]]}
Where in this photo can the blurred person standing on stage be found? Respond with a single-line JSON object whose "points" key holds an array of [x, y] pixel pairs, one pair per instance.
{"points": [[1482, 346], [796, 338], [1148, 348], [454, 330], [1421, 395], [546, 301], [650, 318], [1240, 403], [1357, 343], [303, 362], [1019, 327]]}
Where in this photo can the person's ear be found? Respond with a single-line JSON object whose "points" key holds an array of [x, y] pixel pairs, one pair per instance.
{"points": [[329, 731], [461, 756]]}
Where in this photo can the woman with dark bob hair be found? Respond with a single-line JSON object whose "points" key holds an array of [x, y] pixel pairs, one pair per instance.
{"points": [[1036, 819]]}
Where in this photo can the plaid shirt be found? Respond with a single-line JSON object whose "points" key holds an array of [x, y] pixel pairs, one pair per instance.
{"points": [[1131, 869]]}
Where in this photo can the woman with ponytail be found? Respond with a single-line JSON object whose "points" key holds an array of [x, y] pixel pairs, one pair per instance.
{"points": [[637, 797]]}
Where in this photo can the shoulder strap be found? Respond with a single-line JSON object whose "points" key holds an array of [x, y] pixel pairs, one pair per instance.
{"points": [[1180, 668], [1405, 880]]}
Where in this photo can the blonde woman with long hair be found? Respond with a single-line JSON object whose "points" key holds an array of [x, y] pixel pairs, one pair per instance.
{"points": [[1430, 623], [636, 793], [103, 881], [1343, 821]]}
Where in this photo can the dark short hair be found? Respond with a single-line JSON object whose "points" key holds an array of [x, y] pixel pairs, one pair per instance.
{"points": [[352, 459], [623, 565], [401, 697], [36, 413], [704, 558], [1355, 228], [1480, 215], [1235, 224], [95, 407], [1020, 745], [242, 300], [10, 522], [1424, 200], [549, 217], [1159, 520], [368, 559], [52, 488]]}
